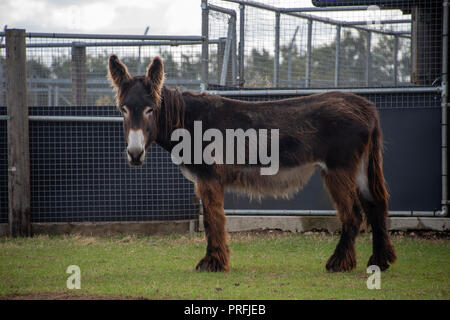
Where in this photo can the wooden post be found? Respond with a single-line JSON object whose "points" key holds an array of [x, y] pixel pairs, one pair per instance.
{"points": [[18, 140], [2, 83], [78, 74]]}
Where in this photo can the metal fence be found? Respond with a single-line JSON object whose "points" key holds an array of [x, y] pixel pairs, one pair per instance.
{"points": [[394, 54], [77, 168], [382, 43], [79, 172], [393, 51], [71, 69], [412, 157]]}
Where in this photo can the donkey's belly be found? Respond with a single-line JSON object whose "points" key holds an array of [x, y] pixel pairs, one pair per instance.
{"points": [[283, 184], [249, 181]]}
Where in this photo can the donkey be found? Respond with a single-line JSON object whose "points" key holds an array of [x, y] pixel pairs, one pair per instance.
{"points": [[339, 133]]}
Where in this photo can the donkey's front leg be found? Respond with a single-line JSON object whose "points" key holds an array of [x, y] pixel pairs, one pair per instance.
{"points": [[217, 252]]}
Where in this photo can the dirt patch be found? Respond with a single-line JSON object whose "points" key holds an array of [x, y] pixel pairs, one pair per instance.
{"points": [[64, 296]]}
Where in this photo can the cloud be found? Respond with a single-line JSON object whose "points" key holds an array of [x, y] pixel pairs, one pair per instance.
{"points": [[104, 16]]}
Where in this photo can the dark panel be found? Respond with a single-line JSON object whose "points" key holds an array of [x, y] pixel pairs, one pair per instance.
{"points": [[412, 158]]}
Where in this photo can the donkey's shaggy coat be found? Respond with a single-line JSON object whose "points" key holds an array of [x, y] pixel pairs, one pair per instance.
{"points": [[338, 132]]}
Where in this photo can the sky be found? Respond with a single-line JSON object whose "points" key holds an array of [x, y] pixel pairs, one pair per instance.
{"points": [[171, 17], [182, 17]]}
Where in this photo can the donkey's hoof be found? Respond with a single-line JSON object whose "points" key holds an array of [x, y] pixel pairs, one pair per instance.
{"points": [[378, 261], [211, 264], [341, 263]]}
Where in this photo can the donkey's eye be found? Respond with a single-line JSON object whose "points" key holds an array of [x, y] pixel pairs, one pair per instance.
{"points": [[124, 110], [148, 111]]}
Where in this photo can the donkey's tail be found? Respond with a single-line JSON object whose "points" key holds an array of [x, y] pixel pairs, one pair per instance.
{"points": [[375, 167]]}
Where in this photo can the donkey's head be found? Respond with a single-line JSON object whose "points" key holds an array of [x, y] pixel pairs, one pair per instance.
{"points": [[139, 101]]}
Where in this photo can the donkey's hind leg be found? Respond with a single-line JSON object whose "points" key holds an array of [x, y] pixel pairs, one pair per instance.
{"points": [[342, 189], [217, 252], [383, 252]]}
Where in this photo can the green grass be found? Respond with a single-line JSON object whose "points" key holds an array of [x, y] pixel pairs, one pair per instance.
{"points": [[268, 266]]}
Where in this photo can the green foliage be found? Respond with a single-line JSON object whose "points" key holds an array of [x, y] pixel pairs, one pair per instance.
{"points": [[259, 69], [37, 69]]}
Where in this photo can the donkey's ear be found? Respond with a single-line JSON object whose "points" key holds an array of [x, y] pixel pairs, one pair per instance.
{"points": [[117, 72], [155, 74]]}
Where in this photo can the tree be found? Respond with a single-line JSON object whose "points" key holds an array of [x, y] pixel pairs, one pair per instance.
{"points": [[61, 67], [259, 69], [37, 69]]}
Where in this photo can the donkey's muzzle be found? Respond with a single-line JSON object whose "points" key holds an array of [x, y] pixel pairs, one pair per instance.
{"points": [[136, 148], [135, 157]]}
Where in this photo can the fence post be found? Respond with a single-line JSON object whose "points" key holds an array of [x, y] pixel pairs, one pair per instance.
{"points": [[18, 135], [224, 60], [220, 55], [2, 83], [276, 62], [368, 58], [337, 56], [205, 45], [56, 96], [78, 74], [233, 51], [241, 44], [291, 45], [445, 105], [395, 60], [308, 55]]}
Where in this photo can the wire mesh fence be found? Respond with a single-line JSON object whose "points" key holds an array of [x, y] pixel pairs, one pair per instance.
{"points": [[77, 169], [295, 44], [65, 71]]}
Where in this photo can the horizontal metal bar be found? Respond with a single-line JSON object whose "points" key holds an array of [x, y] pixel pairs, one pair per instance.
{"points": [[292, 92], [4, 118], [222, 10], [74, 119], [111, 36], [279, 212], [45, 81], [321, 9], [410, 213], [173, 43], [400, 33], [364, 22]]}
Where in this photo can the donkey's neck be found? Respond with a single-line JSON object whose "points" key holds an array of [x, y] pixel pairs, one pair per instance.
{"points": [[180, 110]]}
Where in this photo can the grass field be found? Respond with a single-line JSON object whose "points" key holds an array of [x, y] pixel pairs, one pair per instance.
{"points": [[266, 265]]}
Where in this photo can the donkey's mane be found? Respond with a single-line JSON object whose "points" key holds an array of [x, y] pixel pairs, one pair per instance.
{"points": [[174, 108]]}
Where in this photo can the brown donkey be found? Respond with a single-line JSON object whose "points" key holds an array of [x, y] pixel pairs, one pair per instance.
{"points": [[337, 132]]}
